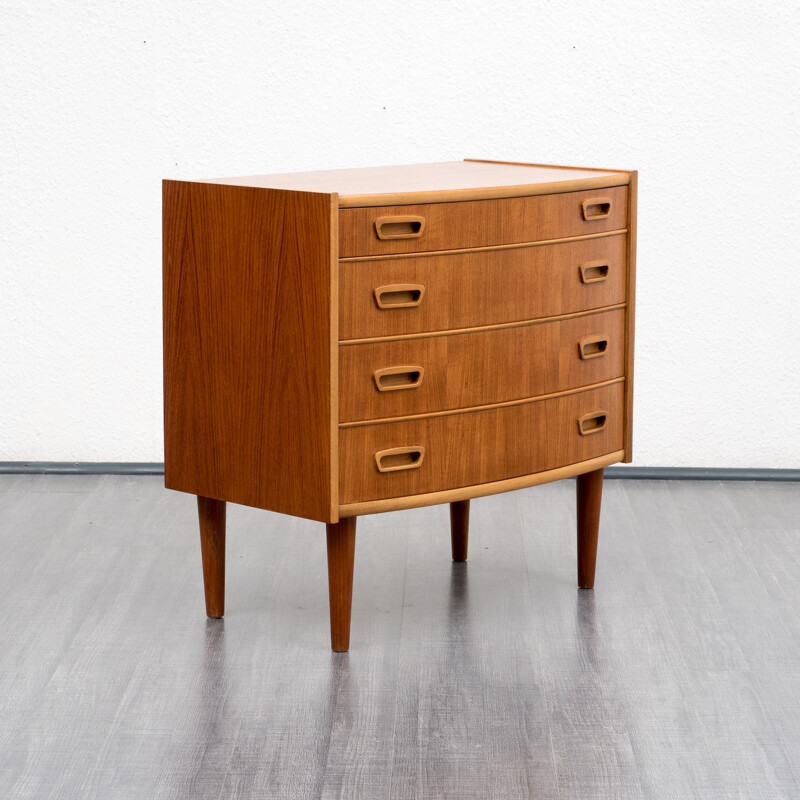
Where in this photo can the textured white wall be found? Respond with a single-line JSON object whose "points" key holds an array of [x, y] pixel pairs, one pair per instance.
{"points": [[100, 101]]}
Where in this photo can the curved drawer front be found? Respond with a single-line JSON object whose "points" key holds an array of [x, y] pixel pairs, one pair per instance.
{"points": [[480, 223], [435, 373], [463, 290], [437, 453]]}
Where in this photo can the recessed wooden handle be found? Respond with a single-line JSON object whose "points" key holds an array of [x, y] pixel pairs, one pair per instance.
{"points": [[399, 227], [399, 458], [592, 423], [596, 208], [392, 379], [400, 295], [592, 347], [594, 271]]}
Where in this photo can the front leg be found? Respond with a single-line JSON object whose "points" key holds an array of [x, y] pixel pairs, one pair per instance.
{"points": [[212, 546], [341, 556], [459, 529], [589, 497]]}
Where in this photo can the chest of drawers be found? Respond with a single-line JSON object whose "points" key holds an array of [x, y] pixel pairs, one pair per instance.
{"points": [[348, 342]]}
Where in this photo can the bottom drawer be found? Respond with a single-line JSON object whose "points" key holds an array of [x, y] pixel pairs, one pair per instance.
{"points": [[451, 451]]}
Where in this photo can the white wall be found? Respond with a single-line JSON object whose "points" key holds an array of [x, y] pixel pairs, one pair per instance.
{"points": [[100, 101]]}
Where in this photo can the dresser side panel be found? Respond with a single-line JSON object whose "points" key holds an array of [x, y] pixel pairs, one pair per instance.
{"points": [[249, 404]]}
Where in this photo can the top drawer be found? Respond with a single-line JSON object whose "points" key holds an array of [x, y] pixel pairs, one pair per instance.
{"points": [[480, 223]]}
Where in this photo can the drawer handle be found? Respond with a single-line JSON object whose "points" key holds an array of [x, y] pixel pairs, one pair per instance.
{"points": [[596, 208], [393, 378], [401, 295], [399, 458], [399, 227], [592, 347], [592, 423], [594, 271]]}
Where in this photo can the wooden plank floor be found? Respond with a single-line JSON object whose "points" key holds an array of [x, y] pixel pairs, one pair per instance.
{"points": [[677, 677]]}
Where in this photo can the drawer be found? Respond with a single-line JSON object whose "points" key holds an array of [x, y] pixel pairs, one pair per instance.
{"points": [[463, 290], [479, 223], [465, 449], [435, 373]]}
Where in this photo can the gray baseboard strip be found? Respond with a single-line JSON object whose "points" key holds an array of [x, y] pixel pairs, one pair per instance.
{"points": [[701, 474], [630, 473], [81, 468]]}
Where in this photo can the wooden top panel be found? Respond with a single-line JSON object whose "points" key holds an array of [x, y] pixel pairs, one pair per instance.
{"points": [[438, 182]]}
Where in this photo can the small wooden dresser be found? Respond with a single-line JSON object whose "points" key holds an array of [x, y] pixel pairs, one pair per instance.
{"points": [[353, 341]]}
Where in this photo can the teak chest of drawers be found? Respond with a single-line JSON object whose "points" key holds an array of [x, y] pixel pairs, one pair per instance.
{"points": [[346, 342]]}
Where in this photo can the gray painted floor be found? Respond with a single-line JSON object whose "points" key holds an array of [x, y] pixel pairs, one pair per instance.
{"points": [[677, 677]]}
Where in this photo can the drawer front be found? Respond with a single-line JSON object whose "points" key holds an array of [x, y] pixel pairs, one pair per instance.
{"points": [[416, 376], [463, 290], [455, 450], [480, 223]]}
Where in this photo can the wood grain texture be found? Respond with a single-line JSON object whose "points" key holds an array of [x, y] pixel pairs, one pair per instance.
{"points": [[248, 325], [479, 447], [480, 288], [459, 529], [212, 549], [589, 496], [479, 368], [341, 554], [481, 222], [438, 182], [630, 314]]}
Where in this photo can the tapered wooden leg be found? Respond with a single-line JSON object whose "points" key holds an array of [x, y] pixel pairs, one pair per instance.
{"points": [[459, 529], [341, 554], [212, 545], [589, 496]]}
